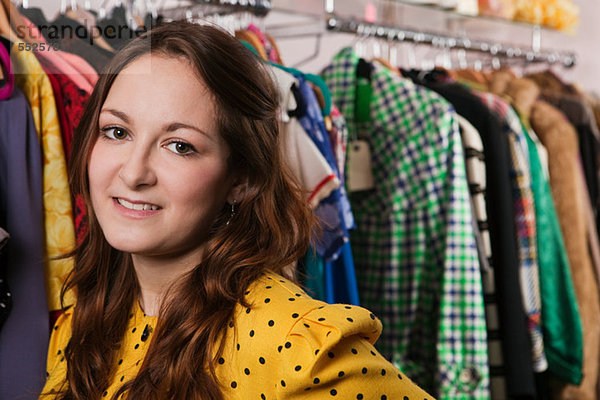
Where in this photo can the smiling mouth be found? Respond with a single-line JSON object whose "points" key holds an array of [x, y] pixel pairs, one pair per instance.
{"points": [[137, 206]]}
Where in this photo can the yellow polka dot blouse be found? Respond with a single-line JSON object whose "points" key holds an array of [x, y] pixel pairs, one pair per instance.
{"points": [[286, 345]]}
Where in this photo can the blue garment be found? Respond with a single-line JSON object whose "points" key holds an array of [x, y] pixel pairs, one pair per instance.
{"points": [[24, 336], [334, 211], [340, 279], [334, 281]]}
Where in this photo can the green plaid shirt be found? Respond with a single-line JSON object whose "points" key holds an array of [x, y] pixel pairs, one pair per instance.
{"points": [[414, 247]]}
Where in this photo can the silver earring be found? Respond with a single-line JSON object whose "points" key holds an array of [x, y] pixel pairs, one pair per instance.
{"points": [[232, 213]]}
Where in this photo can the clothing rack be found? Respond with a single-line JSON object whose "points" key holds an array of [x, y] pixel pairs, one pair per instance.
{"points": [[390, 33], [259, 8]]}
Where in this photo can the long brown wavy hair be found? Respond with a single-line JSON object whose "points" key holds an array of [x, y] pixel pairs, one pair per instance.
{"points": [[272, 228]]}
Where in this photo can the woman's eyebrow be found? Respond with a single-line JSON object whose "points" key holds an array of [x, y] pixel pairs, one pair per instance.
{"points": [[179, 125], [116, 113]]}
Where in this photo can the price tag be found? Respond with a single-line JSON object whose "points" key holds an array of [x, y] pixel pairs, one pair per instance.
{"points": [[360, 175]]}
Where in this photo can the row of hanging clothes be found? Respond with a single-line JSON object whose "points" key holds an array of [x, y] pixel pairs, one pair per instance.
{"points": [[48, 74], [476, 238], [314, 142]]}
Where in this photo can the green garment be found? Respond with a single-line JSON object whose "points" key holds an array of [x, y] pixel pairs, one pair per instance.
{"points": [[315, 275], [563, 335], [414, 247]]}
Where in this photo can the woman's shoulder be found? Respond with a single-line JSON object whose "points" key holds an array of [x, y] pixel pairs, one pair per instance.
{"points": [[277, 300], [279, 309], [285, 344]]}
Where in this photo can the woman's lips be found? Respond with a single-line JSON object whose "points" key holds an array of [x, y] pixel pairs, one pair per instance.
{"points": [[136, 210]]}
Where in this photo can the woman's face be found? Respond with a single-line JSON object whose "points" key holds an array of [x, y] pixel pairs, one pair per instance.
{"points": [[158, 171]]}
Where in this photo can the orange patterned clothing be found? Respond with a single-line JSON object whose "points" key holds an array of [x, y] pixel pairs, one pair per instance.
{"points": [[58, 215], [286, 345]]}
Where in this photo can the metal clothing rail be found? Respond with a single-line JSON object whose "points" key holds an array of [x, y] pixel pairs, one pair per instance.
{"points": [[390, 33], [259, 8]]}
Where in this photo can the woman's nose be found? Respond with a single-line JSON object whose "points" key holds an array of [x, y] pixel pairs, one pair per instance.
{"points": [[137, 170]]}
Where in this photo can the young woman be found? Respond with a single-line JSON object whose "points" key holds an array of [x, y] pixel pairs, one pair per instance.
{"points": [[193, 216]]}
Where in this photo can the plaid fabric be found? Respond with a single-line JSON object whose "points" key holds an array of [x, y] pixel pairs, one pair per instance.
{"points": [[524, 210], [415, 252]]}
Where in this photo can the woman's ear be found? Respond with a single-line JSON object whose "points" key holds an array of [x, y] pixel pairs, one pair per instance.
{"points": [[237, 191]]}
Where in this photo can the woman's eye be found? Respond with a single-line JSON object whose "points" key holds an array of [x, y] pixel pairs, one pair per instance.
{"points": [[115, 133], [182, 148]]}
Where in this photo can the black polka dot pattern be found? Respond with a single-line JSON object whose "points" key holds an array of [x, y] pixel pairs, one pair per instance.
{"points": [[305, 348]]}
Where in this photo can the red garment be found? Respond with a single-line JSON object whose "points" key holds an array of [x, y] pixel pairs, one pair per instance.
{"points": [[81, 223], [74, 101], [70, 103]]}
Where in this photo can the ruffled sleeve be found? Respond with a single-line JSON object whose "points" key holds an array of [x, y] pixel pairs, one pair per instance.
{"points": [[329, 353]]}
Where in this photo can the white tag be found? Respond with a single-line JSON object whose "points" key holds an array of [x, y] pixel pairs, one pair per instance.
{"points": [[360, 175]]}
